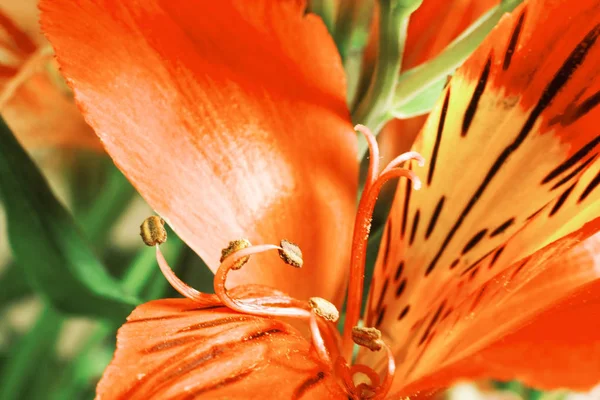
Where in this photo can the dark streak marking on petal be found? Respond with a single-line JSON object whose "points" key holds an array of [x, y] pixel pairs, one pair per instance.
{"points": [[406, 205], [479, 297], [470, 111], [474, 273], [502, 227], [574, 111], [415, 226], [399, 270], [213, 323], [401, 288], [575, 172], [496, 256], [220, 384], [383, 292], [473, 242], [476, 263], [579, 155], [562, 76], [592, 185], [436, 316], [438, 139], [307, 384], [561, 200], [380, 316], [514, 39], [434, 217], [405, 311], [519, 268]]}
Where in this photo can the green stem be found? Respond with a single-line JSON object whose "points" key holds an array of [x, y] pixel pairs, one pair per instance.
{"points": [[13, 283], [112, 201], [324, 9], [38, 343], [344, 26], [372, 110], [414, 81]]}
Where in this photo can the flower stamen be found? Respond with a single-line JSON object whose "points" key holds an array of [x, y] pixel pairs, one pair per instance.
{"points": [[153, 231], [291, 254], [251, 307], [362, 228], [324, 309], [178, 284], [234, 246], [317, 339], [367, 337], [373, 171]]}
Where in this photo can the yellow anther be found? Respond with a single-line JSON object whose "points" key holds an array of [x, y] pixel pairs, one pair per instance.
{"points": [[291, 253], [236, 245], [324, 309], [153, 231], [367, 337]]}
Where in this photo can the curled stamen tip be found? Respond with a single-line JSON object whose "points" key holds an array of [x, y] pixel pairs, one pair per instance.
{"points": [[416, 183], [367, 337], [291, 253], [153, 231], [324, 309], [236, 245]]}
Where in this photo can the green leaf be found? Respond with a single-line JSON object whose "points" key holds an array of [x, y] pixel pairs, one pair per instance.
{"points": [[422, 102], [87, 366], [46, 243], [415, 81], [36, 344], [14, 284]]}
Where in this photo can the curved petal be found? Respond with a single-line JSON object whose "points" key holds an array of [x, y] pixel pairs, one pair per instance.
{"points": [[230, 120], [520, 331], [436, 23], [174, 349], [34, 101], [512, 153]]}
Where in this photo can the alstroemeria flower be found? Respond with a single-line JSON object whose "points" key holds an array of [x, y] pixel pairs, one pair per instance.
{"points": [[230, 120], [36, 105]]}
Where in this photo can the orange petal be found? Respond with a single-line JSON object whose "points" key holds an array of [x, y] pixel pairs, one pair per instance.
{"points": [[540, 330], [172, 349], [436, 23], [512, 167], [230, 120], [33, 102]]}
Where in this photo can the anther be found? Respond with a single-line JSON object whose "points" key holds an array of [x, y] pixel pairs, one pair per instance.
{"points": [[236, 245], [367, 337], [291, 253], [153, 231], [324, 309]]}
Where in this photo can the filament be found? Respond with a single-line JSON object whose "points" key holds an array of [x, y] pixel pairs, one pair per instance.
{"points": [[178, 284], [251, 307], [373, 170], [362, 228]]}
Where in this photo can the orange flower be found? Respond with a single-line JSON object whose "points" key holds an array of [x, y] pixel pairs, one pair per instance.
{"points": [[231, 122], [32, 101]]}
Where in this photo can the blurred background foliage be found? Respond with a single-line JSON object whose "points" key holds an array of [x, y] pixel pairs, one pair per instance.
{"points": [[72, 265]]}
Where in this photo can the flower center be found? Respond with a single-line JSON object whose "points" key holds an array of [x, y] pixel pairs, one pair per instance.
{"points": [[319, 313]]}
